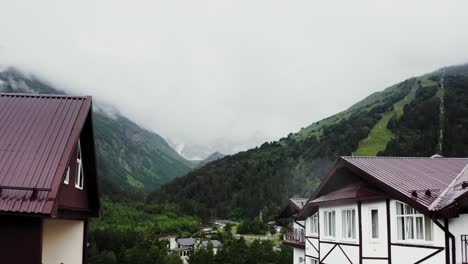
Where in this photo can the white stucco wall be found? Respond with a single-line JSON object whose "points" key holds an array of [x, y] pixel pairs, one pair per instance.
{"points": [[62, 241], [404, 255], [298, 255], [459, 226], [374, 247], [337, 256]]}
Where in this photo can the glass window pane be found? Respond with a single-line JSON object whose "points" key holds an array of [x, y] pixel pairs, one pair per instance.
{"points": [[333, 224], [401, 228], [399, 207], [325, 222], [375, 223], [428, 228], [409, 227], [419, 228]]}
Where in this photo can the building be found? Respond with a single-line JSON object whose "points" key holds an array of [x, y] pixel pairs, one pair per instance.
{"points": [[48, 180], [185, 246], [295, 233], [216, 244], [388, 210]]}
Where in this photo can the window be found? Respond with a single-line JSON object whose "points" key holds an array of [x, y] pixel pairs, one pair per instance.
{"points": [[329, 224], [412, 225], [301, 259], [314, 261], [375, 223], [67, 176], [79, 165], [349, 223], [314, 224]]}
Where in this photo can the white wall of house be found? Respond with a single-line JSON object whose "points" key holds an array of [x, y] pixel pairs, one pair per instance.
{"points": [[337, 256], [406, 252], [458, 227], [376, 246], [62, 241], [298, 256], [404, 255]]}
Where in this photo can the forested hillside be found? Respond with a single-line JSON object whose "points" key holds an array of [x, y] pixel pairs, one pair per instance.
{"points": [[417, 117], [131, 159]]}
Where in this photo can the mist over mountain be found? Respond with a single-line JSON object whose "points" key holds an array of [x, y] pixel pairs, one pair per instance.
{"points": [[131, 160], [420, 116]]}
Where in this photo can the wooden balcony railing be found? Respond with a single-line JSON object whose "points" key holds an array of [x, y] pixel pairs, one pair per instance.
{"points": [[295, 236]]}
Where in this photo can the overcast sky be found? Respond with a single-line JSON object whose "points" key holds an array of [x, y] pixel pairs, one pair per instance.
{"points": [[242, 72]]}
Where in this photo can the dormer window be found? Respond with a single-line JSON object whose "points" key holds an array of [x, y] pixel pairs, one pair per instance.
{"points": [[67, 176], [79, 166]]}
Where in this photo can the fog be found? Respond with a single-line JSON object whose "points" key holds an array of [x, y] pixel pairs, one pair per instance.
{"points": [[229, 75]]}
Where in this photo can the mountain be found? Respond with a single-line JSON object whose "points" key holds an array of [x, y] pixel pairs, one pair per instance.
{"points": [[131, 160], [420, 116], [213, 157]]}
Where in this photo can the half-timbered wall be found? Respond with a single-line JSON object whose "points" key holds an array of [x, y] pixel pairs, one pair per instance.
{"points": [[412, 252], [338, 249], [459, 227], [376, 250]]}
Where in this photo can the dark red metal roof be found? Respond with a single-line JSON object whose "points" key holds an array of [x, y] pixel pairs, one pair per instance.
{"points": [[37, 135], [411, 176]]}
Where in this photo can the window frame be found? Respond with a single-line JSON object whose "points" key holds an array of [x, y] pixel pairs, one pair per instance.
{"points": [[67, 176], [326, 229], [314, 224], [79, 179], [345, 224], [372, 238], [409, 212]]}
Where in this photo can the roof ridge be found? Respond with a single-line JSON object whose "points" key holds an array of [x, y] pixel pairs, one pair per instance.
{"points": [[43, 95], [446, 190], [395, 157]]}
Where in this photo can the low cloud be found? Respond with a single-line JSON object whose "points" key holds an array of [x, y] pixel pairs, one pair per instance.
{"points": [[200, 71]]}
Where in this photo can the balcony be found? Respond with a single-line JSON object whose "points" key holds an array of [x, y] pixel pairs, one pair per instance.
{"points": [[295, 237]]}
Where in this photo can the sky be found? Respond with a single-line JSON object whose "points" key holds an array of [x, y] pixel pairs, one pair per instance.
{"points": [[228, 75]]}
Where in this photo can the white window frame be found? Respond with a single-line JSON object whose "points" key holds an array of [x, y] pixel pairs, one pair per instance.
{"points": [[372, 238], [67, 176], [79, 168], [326, 228], [314, 224], [346, 226], [410, 214]]}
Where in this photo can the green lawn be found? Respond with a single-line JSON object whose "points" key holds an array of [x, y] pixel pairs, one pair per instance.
{"points": [[380, 135]]}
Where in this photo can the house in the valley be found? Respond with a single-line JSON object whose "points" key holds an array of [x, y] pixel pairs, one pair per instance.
{"points": [[48, 185], [295, 232], [182, 246], [186, 246], [216, 244], [388, 210]]}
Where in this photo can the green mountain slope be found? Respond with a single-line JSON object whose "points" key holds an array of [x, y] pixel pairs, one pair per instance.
{"points": [[406, 119], [131, 160]]}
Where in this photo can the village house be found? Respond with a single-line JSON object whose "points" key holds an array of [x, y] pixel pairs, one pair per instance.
{"points": [[186, 246], [48, 180], [384, 210]]}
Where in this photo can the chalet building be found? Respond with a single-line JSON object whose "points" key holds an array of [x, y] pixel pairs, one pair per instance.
{"points": [[48, 185], [385, 210], [295, 233]]}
